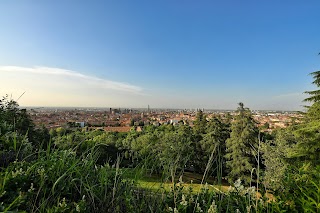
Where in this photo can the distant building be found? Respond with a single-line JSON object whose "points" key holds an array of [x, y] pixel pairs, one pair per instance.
{"points": [[174, 121]]}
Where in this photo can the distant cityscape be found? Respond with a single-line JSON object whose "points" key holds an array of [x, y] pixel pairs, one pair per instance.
{"points": [[123, 119]]}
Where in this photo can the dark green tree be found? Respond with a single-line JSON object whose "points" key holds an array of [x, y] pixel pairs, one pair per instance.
{"points": [[275, 158], [200, 123], [213, 145], [17, 118], [307, 148], [241, 145], [315, 94], [16, 132], [175, 150], [199, 130]]}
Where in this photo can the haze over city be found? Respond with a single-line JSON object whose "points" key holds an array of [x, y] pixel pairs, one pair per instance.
{"points": [[166, 54]]}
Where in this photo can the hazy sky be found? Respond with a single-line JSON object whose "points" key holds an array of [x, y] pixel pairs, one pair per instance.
{"points": [[165, 53]]}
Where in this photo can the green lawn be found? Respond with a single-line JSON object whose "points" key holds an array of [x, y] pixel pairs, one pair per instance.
{"points": [[189, 180]]}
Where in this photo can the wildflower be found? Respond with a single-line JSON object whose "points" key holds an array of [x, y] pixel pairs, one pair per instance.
{"points": [[175, 210], [63, 204], [170, 209], [180, 179], [238, 185], [238, 211], [251, 191], [248, 209], [213, 207], [41, 171], [77, 207], [183, 201], [31, 188], [17, 172], [199, 208], [206, 186]]}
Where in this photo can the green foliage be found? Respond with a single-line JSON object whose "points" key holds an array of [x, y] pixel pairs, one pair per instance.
{"points": [[313, 112], [15, 129], [302, 189], [292, 159], [15, 119], [275, 159], [240, 146], [200, 123], [62, 182], [307, 148], [215, 142], [175, 150], [74, 171], [314, 95]]}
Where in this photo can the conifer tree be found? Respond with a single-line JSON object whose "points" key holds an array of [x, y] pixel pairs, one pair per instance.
{"points": [[199, 129], [307, 148], [200, 123], [314, 95], [240, 146], [214, 144]]}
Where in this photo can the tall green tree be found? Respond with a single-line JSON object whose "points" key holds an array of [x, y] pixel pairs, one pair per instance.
{"points": [[241, 146], [199, 130], [200, 123], [292, 159], [275, 154], [315, 94], [295, 149], [307, 148], [213, 145], [175, 150]]}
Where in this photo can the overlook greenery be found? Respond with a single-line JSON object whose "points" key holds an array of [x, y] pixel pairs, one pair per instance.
{"points": [[65, 170]]}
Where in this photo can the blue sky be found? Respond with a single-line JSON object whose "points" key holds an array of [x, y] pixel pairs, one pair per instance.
{"points": [[173, 54]]}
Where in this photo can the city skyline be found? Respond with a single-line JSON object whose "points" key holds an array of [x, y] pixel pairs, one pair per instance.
{"points": [[169, 54]]}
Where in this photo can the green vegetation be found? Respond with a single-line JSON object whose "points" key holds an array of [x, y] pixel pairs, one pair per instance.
{"points": [[242, 146], [218, 165]]}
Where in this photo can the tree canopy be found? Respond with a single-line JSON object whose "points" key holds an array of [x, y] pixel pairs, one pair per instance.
{"points": [[315, 94], [240, 146]]}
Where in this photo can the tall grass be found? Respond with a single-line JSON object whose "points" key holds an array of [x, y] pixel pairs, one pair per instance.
{"points": [[63, 182], [67, 181]]}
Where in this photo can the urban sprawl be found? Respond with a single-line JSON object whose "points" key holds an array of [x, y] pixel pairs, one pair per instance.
{"points": [[124, 120]]}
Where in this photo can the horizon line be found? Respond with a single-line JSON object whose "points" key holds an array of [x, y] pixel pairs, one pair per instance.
{"points": [[163, 108]]}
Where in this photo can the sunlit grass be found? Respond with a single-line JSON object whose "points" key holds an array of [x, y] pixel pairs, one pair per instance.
{"points": [[189, 180], [168, 186]]}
